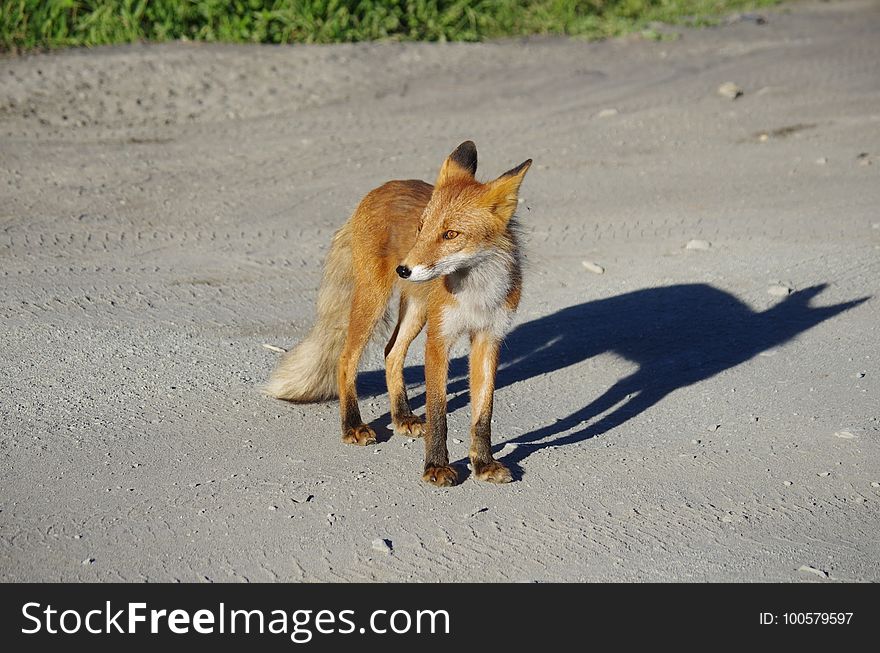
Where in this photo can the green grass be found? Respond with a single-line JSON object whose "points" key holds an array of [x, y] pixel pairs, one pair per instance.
{"points": [[30, 24]]}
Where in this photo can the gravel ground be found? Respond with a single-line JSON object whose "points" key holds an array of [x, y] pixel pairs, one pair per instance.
{"points": [[691, 388]]}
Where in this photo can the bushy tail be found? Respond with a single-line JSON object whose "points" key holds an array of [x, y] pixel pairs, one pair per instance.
{"points": [[307, 372]]}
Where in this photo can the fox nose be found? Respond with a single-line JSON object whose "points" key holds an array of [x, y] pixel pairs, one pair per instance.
{"points": [[403, 271]]}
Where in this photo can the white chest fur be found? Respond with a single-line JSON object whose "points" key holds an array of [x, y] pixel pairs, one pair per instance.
{"points": [[480, 297]]}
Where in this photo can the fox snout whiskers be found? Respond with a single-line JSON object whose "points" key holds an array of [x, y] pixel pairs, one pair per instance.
{"points": [[422, 273], [417, 273]]}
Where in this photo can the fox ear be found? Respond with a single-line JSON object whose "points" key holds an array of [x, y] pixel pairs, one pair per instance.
{"points": [[502, 194], [461, 163]]}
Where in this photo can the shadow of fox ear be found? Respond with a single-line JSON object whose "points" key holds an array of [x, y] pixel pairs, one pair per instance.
{"points": [[461, 163], [804, 295], [797, 306]]}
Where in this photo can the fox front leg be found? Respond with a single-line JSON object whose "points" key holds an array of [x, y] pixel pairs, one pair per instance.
{"points": [[411, 321], [483, 365], [438, 471]]}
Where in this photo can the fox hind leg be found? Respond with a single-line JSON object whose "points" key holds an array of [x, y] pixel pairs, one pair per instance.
{"points": [[411, 320], [366, 310]]}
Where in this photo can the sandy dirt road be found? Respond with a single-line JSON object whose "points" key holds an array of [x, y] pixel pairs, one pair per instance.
{"points": [[165, 211]]}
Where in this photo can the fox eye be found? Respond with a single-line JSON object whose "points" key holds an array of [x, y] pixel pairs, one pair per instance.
{"points": [[449, 235]]}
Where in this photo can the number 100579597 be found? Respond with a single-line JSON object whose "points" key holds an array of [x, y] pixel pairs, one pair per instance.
{"points": [[807, 618]]}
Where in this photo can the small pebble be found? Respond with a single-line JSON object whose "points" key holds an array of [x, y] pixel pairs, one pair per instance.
{"points": [[698, 244], [812, 570], [607, 113], [786, 483], [593, 267], [382, 545], [875, 484], [714, 427], [273, 507], [763, 137], [780, 290], [457, 441], [824, 474], [730, 90], [89, 561], [861, 375], [696, 441]]}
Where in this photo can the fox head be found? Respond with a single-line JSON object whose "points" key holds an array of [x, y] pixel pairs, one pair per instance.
{"points": [[464, 219]]}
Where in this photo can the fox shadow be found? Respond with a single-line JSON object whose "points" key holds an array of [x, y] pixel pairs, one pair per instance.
{"points": [[677, 336]]}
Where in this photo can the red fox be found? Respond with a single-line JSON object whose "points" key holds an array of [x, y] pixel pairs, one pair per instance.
{"points": [[453, 252]]}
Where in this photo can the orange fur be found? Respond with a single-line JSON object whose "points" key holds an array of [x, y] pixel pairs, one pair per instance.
{"points": [[452, 251]]}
